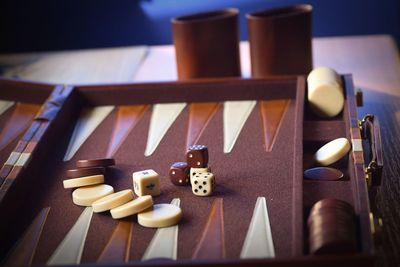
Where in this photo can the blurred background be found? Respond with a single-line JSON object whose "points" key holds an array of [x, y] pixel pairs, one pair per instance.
{"points": [[58, 25]]}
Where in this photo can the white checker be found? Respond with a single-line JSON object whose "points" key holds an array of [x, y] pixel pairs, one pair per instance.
{"points": [[332, 151], [161, 215], [325, 92], [85, 196], [112, 201], [83, 181]]}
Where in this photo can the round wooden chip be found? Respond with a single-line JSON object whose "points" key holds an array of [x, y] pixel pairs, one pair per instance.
{"points": [[135, 206], [75, 173], [332, 151], [86, 163], [112, 201], [83, 181], [161, 215], [323, 174], [85, 196]]}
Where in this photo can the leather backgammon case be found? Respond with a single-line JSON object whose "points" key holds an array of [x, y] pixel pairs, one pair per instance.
{"points": [[274, 147]]}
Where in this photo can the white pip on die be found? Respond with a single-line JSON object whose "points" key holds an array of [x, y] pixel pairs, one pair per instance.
{"points": [[203, 184], [146, 182]]}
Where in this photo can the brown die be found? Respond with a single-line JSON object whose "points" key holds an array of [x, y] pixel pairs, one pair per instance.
{"points": [[197, 156], [179, 173]]}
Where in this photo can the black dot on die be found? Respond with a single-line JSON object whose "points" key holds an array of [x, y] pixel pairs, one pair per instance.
{"points": [[200, 187], [195, 182], [196, 190], [204, 183], [204, 191]]}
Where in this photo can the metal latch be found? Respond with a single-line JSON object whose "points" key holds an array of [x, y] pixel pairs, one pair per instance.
{"points": [[370, 132]]}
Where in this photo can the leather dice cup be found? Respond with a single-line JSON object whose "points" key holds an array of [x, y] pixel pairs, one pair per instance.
{"points": [[280, 41], [207, 44]]}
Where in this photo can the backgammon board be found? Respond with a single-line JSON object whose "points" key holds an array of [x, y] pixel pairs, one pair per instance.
{"points": [[260, 135]]}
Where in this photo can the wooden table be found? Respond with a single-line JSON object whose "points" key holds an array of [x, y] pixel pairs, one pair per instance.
{"points": [[374, 63]]}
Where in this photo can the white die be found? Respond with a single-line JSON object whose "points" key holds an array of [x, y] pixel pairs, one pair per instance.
{"points": [[203, 184], [146, 182], [194, 171]]}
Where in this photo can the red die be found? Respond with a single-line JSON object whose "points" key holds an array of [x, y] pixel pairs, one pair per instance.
{"points": [[179, 173]]}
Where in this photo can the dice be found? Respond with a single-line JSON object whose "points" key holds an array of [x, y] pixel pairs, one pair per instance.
{"points": [[203, 184], [194, 171], [146, 182], [197, 156], [179, 173]]}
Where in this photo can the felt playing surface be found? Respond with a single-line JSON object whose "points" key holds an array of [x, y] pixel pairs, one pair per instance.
{"points": [[247, 172]]}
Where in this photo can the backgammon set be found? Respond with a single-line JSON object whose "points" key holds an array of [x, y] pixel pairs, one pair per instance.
{"points": [[210, 170]]}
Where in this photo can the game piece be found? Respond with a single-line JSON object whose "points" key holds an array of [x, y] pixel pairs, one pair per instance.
{"points": [[5, 105], [259, 242], [112, 201], [325, 92], [162, 117], [323, 174], [194, 171], [84, 181], [179, 173], [165, 241], [200, 114], [234, 117], [76, 173], [332, 203], [85, 196], [119, 245], [332, 151], [132, 207], [272, 113], [89, 163], [197, 156], [127, 118], [21, 117], [23, 253], [212, 241], [69, 251], [87, 122], [203, 184], [332, 228], [146, 182], [161, 215]]}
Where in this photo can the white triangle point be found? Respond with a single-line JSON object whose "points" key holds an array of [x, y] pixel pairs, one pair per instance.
{"points": [[162, 117], [5, 105], [258, 242], [235, 116], [88, 121], [165, 241], [69, 251]]}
